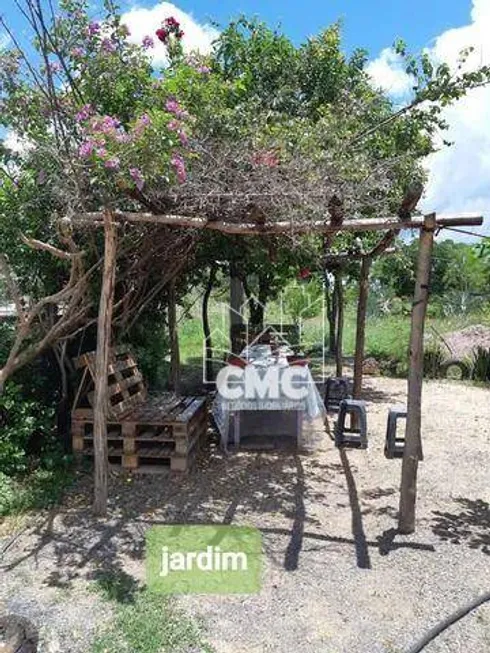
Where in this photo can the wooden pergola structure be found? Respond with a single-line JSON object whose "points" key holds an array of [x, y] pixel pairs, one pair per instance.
{"points": [[390, 227]]}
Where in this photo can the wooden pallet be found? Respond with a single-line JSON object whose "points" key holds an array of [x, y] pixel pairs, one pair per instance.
{"points": [[159, 431], [126, 388], [171, 439]]}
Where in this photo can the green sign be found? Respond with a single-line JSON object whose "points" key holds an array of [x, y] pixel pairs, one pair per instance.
{"points": [[203, 559]]}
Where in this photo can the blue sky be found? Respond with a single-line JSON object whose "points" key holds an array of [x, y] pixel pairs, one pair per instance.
{"points": [[373, 24]]}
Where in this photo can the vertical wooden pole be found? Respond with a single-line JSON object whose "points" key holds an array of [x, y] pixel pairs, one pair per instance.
{"points": [[236, 305], [101, 364], [339, 293], [413, 442], [174, 340], [361, 325], [208, 344]]}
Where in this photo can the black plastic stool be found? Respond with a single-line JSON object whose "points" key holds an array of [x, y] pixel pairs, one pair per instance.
{"points": [[337, 388], [354, 438], [394, 446]]}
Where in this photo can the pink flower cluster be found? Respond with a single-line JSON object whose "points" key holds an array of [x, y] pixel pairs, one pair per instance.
{"points": [[106, 124], [93, 28], [175, 126], [179, 164], [85, 112], [108, 46], [269, 159], [170, 27], [137, 177], [172, 106]]}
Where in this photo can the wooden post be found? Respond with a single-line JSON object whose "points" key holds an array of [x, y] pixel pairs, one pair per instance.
{"points": [[236, 305], [101, 364], [361, 325], [208, 344], [339, 294], [413, 442], [174, 340]]}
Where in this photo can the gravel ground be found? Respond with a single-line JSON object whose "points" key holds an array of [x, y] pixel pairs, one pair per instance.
{"points": [[337, 577]]}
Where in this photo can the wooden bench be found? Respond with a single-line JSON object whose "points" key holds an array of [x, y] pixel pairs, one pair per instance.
{"points": [[144, 433]]}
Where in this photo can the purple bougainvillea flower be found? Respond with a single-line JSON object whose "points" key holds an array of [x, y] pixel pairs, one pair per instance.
{"points": [[184, 139], [113, 164], [84, 113], [123, 137], [179, 164], [93, 28], [204, 70], [108, 45], [137, 177], [77, 52], [86, 149], [102, 152], [172, 106], [174, 125], [109, 124], [148, 42]]}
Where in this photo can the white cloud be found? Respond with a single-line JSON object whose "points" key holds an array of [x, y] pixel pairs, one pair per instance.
{"points": [[5, 41], [387, 73], [144, 22], [13, 142], [459, 176]]}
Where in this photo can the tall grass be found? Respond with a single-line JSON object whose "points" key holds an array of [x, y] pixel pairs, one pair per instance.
{"points": [[387, 336]]}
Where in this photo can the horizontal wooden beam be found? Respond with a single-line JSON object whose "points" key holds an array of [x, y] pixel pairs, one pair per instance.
{"points": [[245, 229]]}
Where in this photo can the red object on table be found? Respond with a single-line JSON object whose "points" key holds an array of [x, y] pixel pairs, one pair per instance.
{"points": [[298, 360], [237, 361]]}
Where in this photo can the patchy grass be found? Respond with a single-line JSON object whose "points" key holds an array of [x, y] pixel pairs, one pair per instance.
{"points": [[40, 489], [144, 622], [387, 336]]}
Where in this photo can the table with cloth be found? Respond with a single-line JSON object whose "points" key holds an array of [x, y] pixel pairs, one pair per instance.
{"points": [[274, 415]]}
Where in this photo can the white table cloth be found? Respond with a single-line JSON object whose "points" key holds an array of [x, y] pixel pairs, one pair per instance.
{"points": [[310, 407]]}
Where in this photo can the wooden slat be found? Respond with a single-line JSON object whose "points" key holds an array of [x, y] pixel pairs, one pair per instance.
{"points": [[127, 405], [120, 387], [191, 409], [122, 365]]}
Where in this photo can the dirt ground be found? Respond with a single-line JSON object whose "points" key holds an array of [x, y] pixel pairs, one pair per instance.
{"points": [[337, 579]]}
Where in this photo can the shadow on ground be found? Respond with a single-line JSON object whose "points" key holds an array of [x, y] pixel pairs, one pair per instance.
{"points": [[269, 490], [470, 526]]}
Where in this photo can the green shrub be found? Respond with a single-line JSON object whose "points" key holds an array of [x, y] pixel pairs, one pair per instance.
{"points": [[481, 365], [24, 421], [433, 361], [41, 488]]}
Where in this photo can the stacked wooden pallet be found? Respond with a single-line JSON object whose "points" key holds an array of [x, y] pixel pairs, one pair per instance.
{"points": [[144, 434]]}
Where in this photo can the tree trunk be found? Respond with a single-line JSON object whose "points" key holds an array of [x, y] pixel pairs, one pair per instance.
{"points": [[236, 304], [339, 294], [413, 442], [101, 364], [208, 363], [331, 317], [361, 325], [174, 340]]}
